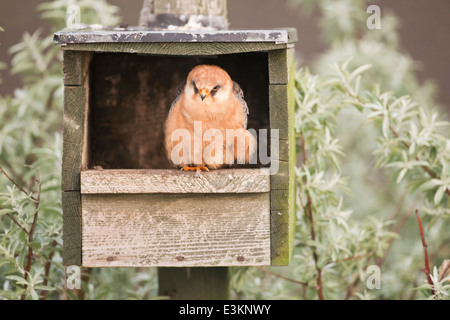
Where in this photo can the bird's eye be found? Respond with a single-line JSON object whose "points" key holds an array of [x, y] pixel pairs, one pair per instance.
{"points": [[195, 87], [216, 88]]}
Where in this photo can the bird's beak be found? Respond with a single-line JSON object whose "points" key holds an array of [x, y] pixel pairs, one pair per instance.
{"points": [[204, 93]]}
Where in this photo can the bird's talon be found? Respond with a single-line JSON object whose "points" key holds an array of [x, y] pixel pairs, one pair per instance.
{"points": [[197, 169]]}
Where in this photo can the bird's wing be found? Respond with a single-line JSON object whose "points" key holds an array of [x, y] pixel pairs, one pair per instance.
{"points": [[179, 92], [240, 96]]}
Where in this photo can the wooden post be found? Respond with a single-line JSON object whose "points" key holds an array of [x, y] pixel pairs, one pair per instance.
{"points": [[200, 283], [194, 283], [189, 14], [147, 9]]}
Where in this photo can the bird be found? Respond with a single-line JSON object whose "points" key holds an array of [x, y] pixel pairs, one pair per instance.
{"points": [[210, 108]]}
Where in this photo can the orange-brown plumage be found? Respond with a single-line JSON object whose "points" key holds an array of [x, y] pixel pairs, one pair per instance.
{"points": [[212, 99]]}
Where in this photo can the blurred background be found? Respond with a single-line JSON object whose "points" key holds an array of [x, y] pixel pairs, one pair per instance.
{"points": [[424, 29]]}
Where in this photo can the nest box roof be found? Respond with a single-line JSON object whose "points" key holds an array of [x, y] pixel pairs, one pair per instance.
{"points": [[94, 34]]}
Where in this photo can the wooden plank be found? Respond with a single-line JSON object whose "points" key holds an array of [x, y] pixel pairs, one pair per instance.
{"points": [[179, 49], [194, 283], [278, 105], [75, 67], [135, 36], [283, 222], [75, 153], [176, 230], [73, 136], [73, 118], [86, 147], [291, 118], [283, 153], [71, 205], [279, 237], [279, 199], [292, 160], [76, 71], [71, 163], [280, 180], [292, 211], [283, 215], [280, 62], [175, 181]]}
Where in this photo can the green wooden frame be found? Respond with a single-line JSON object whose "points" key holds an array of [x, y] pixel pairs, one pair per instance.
{"points": [[77, 57], [76, 86], [282, 184]]}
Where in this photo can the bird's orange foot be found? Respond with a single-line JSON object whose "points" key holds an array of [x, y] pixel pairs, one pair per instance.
{"points": [[197, 169]]}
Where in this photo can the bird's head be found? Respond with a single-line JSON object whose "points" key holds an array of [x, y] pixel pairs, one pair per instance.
{"points": [[208, 84]]}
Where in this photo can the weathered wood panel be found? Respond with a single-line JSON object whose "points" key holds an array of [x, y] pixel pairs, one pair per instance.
{"points": [[179, 49], [282, 105], [279, 199], [76, 97], [76, 81], [279, 113], [280, 180], [280, 63], [73, 136], [136, 36], [279, 236], [71, 205], [176, 230], [292, 161], [175, 181], [75, 67], [284, 147]]}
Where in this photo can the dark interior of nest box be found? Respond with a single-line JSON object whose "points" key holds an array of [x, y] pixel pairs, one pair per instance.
{"points": [[131, 94]]}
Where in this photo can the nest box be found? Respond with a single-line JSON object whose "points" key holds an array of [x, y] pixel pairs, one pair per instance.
{"points": [[123, 205]]}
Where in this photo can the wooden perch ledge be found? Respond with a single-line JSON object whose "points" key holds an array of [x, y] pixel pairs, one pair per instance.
{"points": [[175, 181]]}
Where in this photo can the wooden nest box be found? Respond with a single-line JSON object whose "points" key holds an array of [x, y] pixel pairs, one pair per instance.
{"points": [[123, 204]]}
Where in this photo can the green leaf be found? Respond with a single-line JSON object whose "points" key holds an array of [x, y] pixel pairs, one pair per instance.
{"points": [[401, 175], [35, 245], [17, 279], [360, 70], [430, 184], [12, 295], [5, 211], [34, 294], [43, 287], [385, 125], [322, 262], [439, 194], [433, 153]]}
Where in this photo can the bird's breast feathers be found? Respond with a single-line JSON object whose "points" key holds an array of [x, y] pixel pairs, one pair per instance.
{"points": [[227, 113]]}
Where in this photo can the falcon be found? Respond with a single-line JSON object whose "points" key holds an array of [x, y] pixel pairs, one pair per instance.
{"points": [[206, 127]]}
